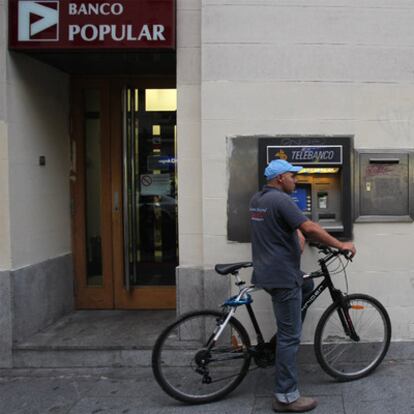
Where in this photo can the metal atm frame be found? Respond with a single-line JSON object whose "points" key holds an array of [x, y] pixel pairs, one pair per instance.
{"points": [[317, 152]]}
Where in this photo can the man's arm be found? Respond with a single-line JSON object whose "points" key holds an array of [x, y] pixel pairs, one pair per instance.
{"points": [[315, 232], [302, 240]]}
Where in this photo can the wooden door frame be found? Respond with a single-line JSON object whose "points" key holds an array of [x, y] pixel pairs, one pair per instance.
{"points": [[113, 293], [90, 297]]}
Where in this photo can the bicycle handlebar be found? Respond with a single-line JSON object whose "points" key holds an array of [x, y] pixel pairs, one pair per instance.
{"points": [[330, 250]]}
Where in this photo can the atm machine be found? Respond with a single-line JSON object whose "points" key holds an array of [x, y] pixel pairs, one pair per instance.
{"points": [[323, 189]]}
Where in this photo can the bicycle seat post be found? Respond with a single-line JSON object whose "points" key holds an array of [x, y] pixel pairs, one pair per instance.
{"points": [[239, 282]]}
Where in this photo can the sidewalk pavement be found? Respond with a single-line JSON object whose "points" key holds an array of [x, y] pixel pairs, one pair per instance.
{"points": [[389, 390]]}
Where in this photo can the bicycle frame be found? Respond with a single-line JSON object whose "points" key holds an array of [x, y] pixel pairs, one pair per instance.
{"points": [[326, 283], [244, 299]]}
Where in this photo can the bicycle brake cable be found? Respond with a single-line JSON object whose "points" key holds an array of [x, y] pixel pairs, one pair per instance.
{"points": [[344, 266], [343, 269], [341, 265], [334, 271]]}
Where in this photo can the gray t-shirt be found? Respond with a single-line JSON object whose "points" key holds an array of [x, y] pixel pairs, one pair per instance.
{"points": [[274, 218]]}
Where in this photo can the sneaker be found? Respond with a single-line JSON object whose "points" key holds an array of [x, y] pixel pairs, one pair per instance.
{"points": [[301, 405]]}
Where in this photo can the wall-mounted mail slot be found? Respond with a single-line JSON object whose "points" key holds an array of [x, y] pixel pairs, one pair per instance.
{"points": [[383, 180], [384, 160]]}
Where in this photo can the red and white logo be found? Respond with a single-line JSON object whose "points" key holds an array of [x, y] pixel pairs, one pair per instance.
{"points": [[38, 20]]}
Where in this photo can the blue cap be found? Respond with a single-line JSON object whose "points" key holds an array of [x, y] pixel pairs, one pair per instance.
{"points": [[278, 167]]}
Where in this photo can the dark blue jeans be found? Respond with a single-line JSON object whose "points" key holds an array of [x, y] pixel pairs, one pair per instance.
{"points": [[287, 305]]}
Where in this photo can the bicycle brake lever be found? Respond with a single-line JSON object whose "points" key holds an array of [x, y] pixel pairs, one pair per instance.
{"points": [[347, 254]]}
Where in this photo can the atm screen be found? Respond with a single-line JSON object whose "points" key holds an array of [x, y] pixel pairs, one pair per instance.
{"points": [[302, 197]]}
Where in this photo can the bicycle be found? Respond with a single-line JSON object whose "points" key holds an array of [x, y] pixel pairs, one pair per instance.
{"points": [[205, 354]]}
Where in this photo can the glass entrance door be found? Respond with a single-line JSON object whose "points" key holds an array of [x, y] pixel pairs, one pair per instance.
{"points": [[149, 187], [126, 157], [144, 172], [149, 197]]}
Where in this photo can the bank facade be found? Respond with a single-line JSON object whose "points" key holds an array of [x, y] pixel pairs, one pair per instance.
{"points": [[128, 154]]}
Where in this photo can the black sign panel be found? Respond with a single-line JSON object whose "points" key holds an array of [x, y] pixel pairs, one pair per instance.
{"points": [[307, 154]]}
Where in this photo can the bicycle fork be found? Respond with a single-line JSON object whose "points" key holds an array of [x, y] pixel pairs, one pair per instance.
{"points": [[346, 321], [343, 309]]}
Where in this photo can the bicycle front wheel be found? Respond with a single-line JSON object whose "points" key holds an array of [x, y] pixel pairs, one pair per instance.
{"points": [[346, 358], [191, 367]]}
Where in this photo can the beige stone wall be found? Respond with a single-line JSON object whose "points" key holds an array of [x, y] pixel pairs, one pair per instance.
{"points": [[314, 67], [5, 253], [34, 200], [189, 132], [38, 125], [5, 258]]}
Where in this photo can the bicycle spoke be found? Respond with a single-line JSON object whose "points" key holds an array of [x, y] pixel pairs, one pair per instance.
{"points": [[341, 356], [202, 373], [224, 378], [332, 361], [338, 325], [333, 348], [227, 358]]}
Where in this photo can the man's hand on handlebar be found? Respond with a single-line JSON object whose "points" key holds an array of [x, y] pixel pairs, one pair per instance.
{"points": [[349, 246], [346, 248], [313, 231]]}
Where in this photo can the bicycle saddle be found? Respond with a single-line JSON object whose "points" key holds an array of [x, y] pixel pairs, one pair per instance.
{"points": [[225, 269]]}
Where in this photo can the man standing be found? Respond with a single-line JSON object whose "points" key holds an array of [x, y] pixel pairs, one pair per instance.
{"points": [[276, 227]]}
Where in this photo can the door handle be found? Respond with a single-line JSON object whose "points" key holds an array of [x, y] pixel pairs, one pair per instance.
{"points": [[116, 201]]}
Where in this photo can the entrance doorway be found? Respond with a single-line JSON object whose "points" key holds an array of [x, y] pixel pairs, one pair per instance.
{"points": [[124, 186]]}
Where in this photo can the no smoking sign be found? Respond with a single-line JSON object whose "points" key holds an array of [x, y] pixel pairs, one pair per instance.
{"points": [[146, 180]]}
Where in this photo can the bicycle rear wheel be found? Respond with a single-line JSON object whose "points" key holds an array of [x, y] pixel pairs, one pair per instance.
{"points": [[190, 367], [344, 358]]}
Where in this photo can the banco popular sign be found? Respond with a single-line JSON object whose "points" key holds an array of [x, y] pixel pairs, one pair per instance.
{"points": [[64, 24]]}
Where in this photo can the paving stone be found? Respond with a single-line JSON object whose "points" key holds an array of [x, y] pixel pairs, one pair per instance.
{"points": [[265, 382], [229, 405], [382, 405], [240, 400], [112, 405], [388, 390], [91, 329], [326, 405], [144, 389], [40, 396], [314, 381]]}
